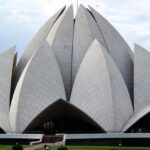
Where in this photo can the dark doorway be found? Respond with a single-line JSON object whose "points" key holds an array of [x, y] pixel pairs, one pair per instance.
{"points": [[63, 117], [141, 126], [1, 131], [66, 124]]}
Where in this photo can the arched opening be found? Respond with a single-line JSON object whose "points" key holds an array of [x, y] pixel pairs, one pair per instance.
{"points": [[65, 124], [63, 117], [141, 126], [1, 131]]}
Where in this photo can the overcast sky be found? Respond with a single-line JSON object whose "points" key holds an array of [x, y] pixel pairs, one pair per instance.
{"points": [[21, 19]]}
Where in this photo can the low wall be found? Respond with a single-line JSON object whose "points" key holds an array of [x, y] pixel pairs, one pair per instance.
{"points": [[19, 138], [110, 139]]}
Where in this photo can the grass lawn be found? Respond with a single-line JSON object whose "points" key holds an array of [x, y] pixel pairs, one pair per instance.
{"points": [[99, 148], [8, 147]]}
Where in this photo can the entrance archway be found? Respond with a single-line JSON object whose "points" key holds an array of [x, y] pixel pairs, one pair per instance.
{"points": [[2, 131], [141, 126], [63, 117]]}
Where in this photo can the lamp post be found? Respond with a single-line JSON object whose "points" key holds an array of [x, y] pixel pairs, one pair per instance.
{"points": [[120, 144]]}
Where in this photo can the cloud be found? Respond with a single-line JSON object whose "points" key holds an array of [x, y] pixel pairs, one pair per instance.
{"points": [[21, 19], [131, 18]]}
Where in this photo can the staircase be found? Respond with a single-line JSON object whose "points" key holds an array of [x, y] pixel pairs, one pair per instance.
{"points": [[49, 139], [52, 139], [46, 140], [37, 146]]}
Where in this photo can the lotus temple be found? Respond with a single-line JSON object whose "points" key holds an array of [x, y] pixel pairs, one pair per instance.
{"points": [[77, 75]]}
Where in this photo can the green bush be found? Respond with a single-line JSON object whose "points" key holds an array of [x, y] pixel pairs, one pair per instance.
{"points": [[17, 147], [62, 148]]}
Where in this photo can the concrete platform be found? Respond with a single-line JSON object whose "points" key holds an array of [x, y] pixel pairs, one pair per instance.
{"points": [[12, 138], [110, 139]]}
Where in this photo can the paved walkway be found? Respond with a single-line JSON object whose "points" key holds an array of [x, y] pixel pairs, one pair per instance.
{"points": [[37, 146]]}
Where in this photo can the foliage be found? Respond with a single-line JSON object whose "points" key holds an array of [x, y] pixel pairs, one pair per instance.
{"points": [[62, 148], [17, 147]]}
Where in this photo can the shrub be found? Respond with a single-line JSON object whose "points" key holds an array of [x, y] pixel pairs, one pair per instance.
{"points": [[62, 148], [17, 147]]}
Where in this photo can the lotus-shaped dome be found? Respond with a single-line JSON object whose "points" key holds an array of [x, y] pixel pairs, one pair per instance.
{"points": [[74, 69]]}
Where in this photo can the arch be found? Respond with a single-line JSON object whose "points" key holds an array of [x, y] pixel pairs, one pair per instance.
{"points": [[136, 117], [4, 122], [39, 85], [142, 125], [117, 47], [2, 131], [100, 91], [141, 78], [38, 39], [60, 39], [141, 85], [85, 31], [7, 66], [60, 109]]}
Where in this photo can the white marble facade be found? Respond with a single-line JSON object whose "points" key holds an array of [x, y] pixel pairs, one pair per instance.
{"points": [[85, 63]]}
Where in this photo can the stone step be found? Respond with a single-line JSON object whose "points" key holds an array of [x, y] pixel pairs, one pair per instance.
{"points": [[37, 146]]}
